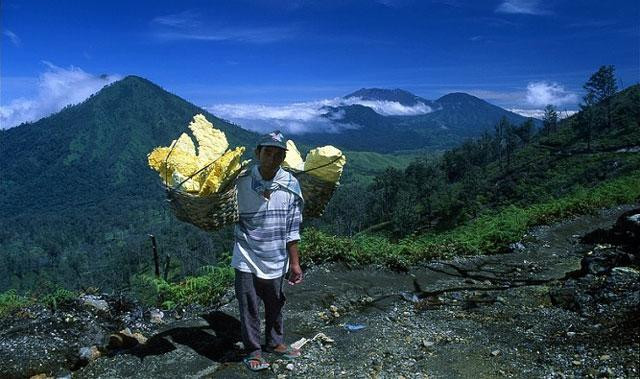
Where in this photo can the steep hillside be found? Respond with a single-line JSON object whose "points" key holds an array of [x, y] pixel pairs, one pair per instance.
{"points": [[514, 166]]}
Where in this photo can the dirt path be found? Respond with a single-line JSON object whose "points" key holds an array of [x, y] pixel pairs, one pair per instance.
{"points": [[479, 333]]}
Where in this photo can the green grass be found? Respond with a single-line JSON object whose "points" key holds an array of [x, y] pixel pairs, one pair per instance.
{"points": [[487, 234], [57, 298], [11, 301], [204, 289]]}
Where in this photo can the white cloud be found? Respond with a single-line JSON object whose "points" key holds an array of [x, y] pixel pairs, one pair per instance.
{"points": [[57, 88], [249, 35], [307, 117], [395, 3], [535, 113], [185, 19], [543, 93], [531, 7], [389, 108], [188, 25], [12, 37], [539, 113]]}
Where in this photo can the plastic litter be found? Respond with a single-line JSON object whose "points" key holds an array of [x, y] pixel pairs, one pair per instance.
{"points": [[354, 327], [409, 296], [303, 341]]}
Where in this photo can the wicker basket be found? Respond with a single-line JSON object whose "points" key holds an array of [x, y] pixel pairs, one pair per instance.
{"points": [[214, 211], [316, 193]]}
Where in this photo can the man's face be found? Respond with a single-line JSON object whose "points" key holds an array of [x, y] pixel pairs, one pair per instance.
{"points": [[270, 157]]}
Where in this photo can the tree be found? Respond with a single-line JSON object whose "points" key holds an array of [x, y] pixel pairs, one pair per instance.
{"points": [[511, 142], [602, 84], [550, 119], [587, 117], [524, 131], [600, 87], [501, 138]]}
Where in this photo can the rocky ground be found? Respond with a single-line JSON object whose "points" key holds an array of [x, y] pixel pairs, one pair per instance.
{"points": [[564, 303]]}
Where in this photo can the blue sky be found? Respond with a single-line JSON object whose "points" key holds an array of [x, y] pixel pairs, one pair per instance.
{"points": [[280, 60]]}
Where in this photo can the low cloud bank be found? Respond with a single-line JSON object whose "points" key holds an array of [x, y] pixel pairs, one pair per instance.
{"points": [[540, 94], [539, 113], [57, 88], [307, 117]]}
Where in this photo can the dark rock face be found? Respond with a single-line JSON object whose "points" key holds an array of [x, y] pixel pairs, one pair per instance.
{"points": [[38, 339], [604, 260], [624, 234], [565, 296], [608, 283]]}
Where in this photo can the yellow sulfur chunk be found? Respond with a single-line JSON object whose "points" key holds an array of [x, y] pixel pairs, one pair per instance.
{"points": [[326, 163], [183, 150], [293, 158], [212, 143], [222, 171], [180, 162], [184, 143], [190, 185]]}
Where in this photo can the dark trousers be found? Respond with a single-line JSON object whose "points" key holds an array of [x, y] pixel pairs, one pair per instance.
{"points": [[250, 288]]}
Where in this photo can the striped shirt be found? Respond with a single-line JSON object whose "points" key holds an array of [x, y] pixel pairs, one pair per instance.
{"points": [[266, 225]]}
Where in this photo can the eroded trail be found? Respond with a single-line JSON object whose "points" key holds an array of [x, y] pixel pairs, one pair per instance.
{"points": [[514, 315]]}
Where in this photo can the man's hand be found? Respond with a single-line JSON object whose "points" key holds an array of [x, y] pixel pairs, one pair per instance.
{"points": [[295, 274]]}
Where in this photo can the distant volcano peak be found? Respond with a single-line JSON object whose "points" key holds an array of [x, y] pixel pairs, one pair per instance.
{"points": [[380, 94]]}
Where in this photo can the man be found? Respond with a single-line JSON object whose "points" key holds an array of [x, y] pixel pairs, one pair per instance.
{"points": [[266, 247]]}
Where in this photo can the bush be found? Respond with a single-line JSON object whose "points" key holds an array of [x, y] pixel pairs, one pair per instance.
{"points": [[202, 289], [10, 301], [57, 298]]}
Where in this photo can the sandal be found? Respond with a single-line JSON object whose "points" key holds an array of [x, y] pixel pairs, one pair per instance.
{"points": [[289, 353], [262, 363]]}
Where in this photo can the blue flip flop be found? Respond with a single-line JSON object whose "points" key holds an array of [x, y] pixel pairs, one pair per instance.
{"points": [[290, 353], [262, 363]]}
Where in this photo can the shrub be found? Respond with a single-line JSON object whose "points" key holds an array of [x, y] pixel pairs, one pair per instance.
{"points": [[10, 301], [57, 298], [202, 289]]}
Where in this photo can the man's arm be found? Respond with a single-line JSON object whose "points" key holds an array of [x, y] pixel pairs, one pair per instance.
{"points": [[294, 218], [294, 263]]}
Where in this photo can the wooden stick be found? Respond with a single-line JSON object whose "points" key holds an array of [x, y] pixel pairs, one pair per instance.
{"points": [[167, 259], [155, 254]]}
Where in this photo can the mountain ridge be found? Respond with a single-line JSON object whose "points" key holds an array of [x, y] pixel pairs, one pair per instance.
{"points": [[401, 96], [452, 119]]}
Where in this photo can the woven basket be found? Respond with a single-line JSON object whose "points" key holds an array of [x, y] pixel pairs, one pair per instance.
{"points": [[316, 193], [210, 212], [214, 211]]}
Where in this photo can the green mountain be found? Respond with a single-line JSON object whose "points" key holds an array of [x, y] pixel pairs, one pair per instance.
{"points": [[96, 149], [78, 199], [452, 119]]}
